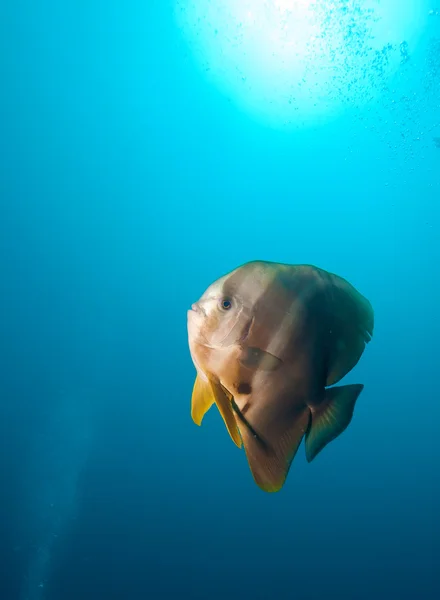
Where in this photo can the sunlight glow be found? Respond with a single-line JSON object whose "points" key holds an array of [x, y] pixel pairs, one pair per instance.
{"points": [[291, 61]]}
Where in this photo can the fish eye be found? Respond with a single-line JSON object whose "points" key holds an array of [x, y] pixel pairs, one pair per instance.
{"points": [[225, 303]]}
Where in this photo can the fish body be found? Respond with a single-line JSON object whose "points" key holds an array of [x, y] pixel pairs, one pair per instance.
{"points": [[267, 341]]}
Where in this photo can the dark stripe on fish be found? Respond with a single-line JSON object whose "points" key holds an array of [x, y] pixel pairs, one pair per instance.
{"points": [[243, 419], [244, 388]]}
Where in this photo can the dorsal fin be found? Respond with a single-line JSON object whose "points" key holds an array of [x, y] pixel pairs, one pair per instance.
{"points": [[352, 319]]}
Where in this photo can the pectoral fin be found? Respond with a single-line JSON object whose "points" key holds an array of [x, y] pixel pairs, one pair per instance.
{"points": [[270, 455], [331, 418], [255, 358]]}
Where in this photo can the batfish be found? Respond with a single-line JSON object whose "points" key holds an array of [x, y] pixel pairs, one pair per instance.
{"points": [[267, 341]]}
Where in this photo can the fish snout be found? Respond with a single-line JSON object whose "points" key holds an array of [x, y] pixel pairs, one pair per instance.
{"points": [[195, 315], [198, 309]]}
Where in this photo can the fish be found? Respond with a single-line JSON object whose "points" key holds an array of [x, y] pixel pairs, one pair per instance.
{"points": [[269, 341]]}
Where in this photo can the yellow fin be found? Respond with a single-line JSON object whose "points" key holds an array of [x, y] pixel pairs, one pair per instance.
{"points": [[205, 393], [225, 407], [202, 400]]}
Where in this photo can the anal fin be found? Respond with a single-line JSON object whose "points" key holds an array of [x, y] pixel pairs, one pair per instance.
{"points": [[270, 455]]}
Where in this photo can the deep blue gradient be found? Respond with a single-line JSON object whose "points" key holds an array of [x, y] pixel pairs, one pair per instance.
{"points": [[127, 185]]}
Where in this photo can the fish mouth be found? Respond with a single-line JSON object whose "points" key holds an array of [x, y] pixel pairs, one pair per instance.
{"points": [[196, 308], [195, 316]]}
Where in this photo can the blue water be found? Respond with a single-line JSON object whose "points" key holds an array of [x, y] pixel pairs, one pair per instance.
{"points": [[128, 183]]}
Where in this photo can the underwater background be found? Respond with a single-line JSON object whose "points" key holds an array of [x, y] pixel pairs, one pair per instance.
{"points": [[131, 179]]}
